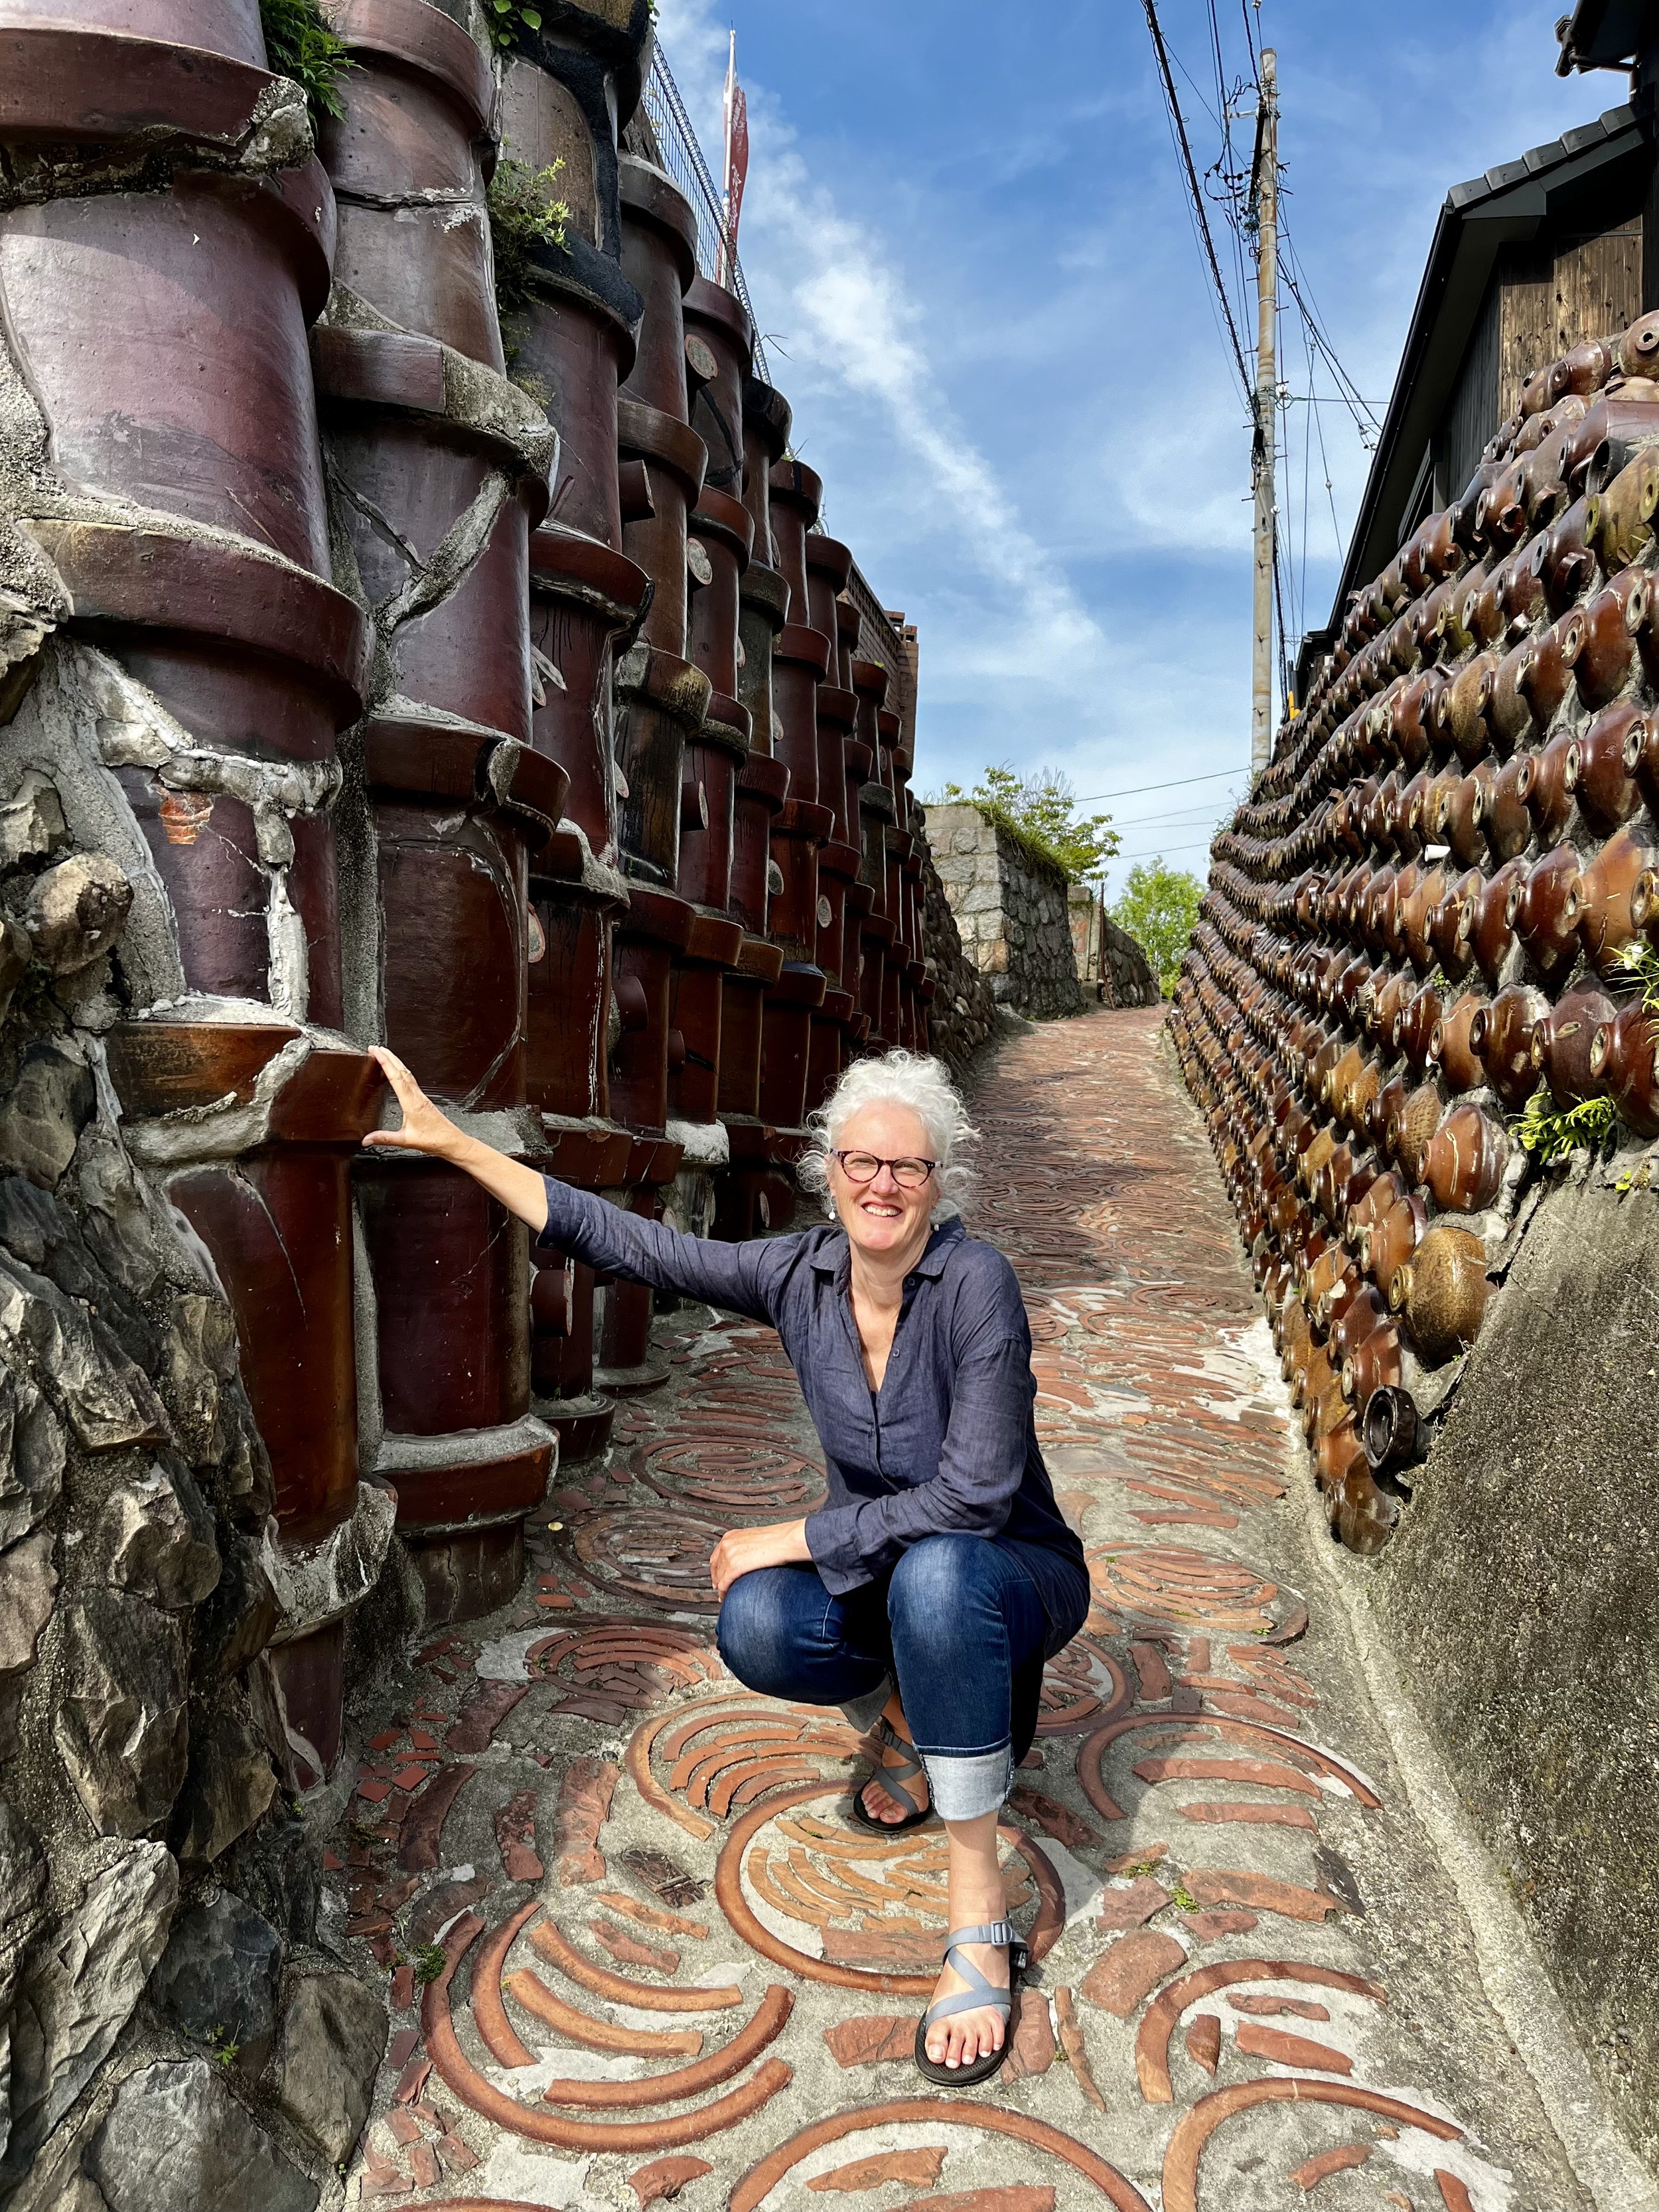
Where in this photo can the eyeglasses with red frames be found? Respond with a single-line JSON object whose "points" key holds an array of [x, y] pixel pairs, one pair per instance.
{"points": [[865, 1167]]}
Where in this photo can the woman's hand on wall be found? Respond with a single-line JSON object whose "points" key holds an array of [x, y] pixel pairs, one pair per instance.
{"points": [[426, 1129], [741, 1551]]}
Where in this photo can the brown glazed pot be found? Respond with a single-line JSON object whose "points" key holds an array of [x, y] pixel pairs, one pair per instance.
{"points": [[1544, 911], [1391, 1242], [1562, 1041], [1603, 903], [1464, 1164], [1463, 817], [1600, 778], [1414, 1026], [1451, 1046], [1500, 1036], [1619, 520], [1384, 1191], [1419, 1120], [1506, 821], [1373, 1363], [1624, 1064], [1548, 675], [1568, 562], [1451, 925], [1366, 1310], [1613, 618], [1545, 783], [1493, 933], [1441, 1292]]}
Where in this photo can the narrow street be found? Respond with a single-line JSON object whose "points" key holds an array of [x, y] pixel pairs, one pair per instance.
{"points": [[635, 1953]]}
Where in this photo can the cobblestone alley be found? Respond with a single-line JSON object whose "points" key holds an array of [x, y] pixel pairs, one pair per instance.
{"points": [[636, 1954]]}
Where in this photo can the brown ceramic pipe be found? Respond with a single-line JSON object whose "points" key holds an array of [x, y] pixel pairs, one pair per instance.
{"points": [[1388, 1108], [1441, 1292], [1465, 1162], [1451, 1047], [1413, 914], [1500, 1036], [1544, 913], [1462, 819], [1391, 1429], [1452, 923], [1625, 1062], [1561, 1043]]}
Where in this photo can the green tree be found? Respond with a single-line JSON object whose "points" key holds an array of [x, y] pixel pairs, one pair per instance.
{"points": [[1159, 907], [1041, 809]]}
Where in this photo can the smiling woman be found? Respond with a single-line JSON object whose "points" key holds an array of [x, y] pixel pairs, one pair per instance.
{"points": [[925, 1595]]}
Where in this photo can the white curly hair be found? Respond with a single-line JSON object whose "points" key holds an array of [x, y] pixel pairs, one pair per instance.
{"points": [[910, 1080]]}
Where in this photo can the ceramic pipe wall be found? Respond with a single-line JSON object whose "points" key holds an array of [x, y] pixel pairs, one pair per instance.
{"points": [[441, 469], [1418, 921], [164, 334]]}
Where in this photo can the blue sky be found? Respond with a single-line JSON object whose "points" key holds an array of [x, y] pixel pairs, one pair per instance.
{"points": [[968, 248]]}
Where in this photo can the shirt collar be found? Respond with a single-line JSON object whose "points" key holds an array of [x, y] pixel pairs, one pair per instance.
{"points": [[834, 1255]]}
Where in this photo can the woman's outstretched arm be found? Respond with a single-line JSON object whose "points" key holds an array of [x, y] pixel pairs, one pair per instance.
{"points": [[738, 1277], [427, 1128]]}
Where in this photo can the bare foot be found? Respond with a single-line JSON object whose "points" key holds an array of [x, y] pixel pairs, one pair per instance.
{"points": [[966, 2036]]}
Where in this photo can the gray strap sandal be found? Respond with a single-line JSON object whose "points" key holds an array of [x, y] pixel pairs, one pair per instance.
{"points": [[979, 1996], [892, 1779]]}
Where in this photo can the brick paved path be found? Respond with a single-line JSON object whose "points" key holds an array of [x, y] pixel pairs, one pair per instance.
{"points": [[662, 1967]]}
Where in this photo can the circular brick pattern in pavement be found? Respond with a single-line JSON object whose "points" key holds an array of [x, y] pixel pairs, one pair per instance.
{"points": [[651, 1553], [630, 1664], [733, 1472], [1167, 1583], [877, 1904], [1082, 1687]]}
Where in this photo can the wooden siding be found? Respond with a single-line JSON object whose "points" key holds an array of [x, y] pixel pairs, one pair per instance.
{"points": [[1589, 288], [1473, 414]]}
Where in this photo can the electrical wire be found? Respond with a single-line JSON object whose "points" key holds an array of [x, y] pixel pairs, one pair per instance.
{"points": [[1201, 219]]}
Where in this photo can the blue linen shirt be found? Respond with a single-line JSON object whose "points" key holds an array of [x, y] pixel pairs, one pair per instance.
{"points": [[948, 1444]]}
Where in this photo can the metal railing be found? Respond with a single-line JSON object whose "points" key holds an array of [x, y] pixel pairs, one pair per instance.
{"points": [[682, 158]]}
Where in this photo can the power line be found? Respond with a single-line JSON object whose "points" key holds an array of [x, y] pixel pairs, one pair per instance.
{"points": [[1176, 783], [1201, 221]]}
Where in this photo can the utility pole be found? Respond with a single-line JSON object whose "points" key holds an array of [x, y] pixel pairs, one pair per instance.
{"points": [[1264, 194]]}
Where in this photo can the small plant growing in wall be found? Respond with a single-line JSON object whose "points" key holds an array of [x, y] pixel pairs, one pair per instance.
{"points": [[526, 212], [301, 43], [511, 22], [1550, 1133]]}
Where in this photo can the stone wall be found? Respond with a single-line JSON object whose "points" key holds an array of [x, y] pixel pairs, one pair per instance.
{"points": [[1110, 965], [167, 2007], [963, 1012], [1010, 908]]}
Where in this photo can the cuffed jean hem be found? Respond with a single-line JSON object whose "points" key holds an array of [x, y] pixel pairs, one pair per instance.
{"points": [[963, 1788], [862, 1712]]}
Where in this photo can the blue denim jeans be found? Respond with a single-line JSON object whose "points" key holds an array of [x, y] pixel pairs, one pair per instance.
{"points": [[958, 1624]]}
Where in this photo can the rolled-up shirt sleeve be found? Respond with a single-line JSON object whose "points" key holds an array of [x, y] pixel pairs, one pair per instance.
{"points": [[980, 1466], [738, 1277]]}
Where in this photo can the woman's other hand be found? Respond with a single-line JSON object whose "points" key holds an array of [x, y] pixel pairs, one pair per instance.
{"points": [[425, 1128], [741, 1551]]}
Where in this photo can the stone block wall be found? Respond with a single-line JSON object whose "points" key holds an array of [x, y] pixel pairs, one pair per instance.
{"points": [[1110, 965], [963, 1012], [1010, 907]]}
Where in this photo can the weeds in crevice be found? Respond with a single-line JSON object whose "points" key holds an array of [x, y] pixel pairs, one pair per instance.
{"points": [[1549, 1132], [525, 212], [1640, 963], [301, 43]]}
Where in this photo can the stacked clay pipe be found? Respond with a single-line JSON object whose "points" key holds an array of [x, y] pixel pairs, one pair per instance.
{"points": [[167, 235], [441, 466], [573, 345], [1421, 920]]}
